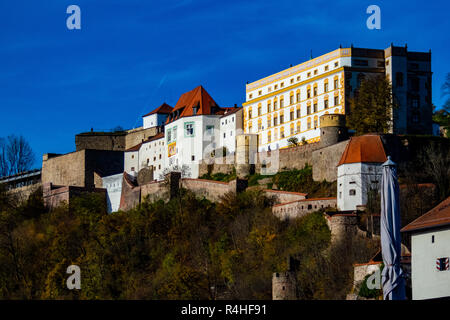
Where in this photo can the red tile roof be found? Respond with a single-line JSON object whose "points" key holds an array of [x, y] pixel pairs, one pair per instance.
{"points": [[197, 97], [436, 217], [135, 148], [158, 136], [230, 111], [367, 148], [162, 109]]}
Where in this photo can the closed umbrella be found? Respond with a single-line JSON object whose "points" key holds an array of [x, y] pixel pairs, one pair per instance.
{"points": [[392, 275]]}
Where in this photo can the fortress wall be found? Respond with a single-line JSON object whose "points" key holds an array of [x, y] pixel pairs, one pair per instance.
{"points": [[114, 141], [212, 190], [154, 191], [325, 160], [285, 196], [65, 170], [299, 208], [136, 136]]}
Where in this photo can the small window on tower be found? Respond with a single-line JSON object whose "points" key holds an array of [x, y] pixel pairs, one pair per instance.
{"points": [[352, 192]]}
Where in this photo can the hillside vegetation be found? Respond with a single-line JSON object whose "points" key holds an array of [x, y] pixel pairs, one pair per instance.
{"points": [[188, 248]]}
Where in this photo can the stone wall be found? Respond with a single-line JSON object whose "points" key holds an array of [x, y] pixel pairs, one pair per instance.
{"points": [[154, 191], [114, 141], [325, 160], [284, 196], [131, 193], [136, 136], [211, 190], [80, 168], [299, 208], [54, 195]]}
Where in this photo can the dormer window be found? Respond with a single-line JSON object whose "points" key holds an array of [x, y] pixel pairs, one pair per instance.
{"points": [[195, 110]]}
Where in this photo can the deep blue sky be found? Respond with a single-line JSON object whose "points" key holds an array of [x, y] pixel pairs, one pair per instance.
{"points": [[132, 55]]}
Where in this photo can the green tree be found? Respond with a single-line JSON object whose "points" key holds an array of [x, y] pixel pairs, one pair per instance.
{"points": [[293, 142], [372, 106]]}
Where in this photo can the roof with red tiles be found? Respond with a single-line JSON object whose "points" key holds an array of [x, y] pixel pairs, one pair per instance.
{"points": [[230, 111], [196, 98], [135, 148], [367, 148], [162, 109], [156, 137], [436, 217]]}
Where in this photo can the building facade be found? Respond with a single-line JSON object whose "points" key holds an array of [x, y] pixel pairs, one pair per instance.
{"points": [[430, 253], [359, 171], [290, 103]]}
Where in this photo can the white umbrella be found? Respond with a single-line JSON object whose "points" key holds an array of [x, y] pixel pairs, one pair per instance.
{"points": [[392, 275]]}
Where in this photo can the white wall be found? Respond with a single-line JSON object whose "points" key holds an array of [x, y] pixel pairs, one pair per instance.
{"points": [[131, 160], [359, 177], [113, 186], [154, 120], [230, 127], [427, 281], [153, 153]]}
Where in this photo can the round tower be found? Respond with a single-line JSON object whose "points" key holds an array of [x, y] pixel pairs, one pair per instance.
{"points": [[284, 286], [332, 129]]}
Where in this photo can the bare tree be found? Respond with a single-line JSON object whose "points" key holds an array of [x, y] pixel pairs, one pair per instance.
{"points": [[16, 155]]}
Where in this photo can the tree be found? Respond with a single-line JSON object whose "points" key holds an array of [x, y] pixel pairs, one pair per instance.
{"points": [[371, 109], [442, 116], [16, 155], [293, 142]]}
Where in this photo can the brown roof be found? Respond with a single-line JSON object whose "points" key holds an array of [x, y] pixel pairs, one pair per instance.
{"points": [[135, 148], [158, 136], [230, 111], [197, 97], [162, 109], [436, 217], [367, 148]]}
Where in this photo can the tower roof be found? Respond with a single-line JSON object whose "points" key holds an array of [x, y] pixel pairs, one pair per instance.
{"points": [[367, 148], [162, 109], [197, 97]]}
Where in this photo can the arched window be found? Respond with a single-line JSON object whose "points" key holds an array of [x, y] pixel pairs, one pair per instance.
{"points": [[315, 91], [275, 134], [259, 124], [325, 102], [308, 123], [259, 109], [269, 121], [336, 82], [298, 112], [250, 112], [308, 107], [275, 103], [269, 106], [281, 102], [275, 119], [292, 128], [269, 136], [297, 93], [316, 122], [298, 127], [282, 132], [308, 91], [250, 127], [325, 85], [291, 114], [291, 98]]}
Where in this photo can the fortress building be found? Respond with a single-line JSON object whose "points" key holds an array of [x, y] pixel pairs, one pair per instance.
{"points": [[290, 103]]}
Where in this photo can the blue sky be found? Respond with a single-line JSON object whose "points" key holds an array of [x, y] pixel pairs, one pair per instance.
{"points": [[132, 55]]}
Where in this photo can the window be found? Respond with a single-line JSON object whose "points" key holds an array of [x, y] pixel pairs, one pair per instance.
{"points": [[292, 80], [282, 85], [169, 135], [308, 109], [270, 89], [308, 123], [132, 168], [189, 129], [336, 100], [275, 121], [308, 74], [281, 102], [281, 118], [325, 87], [174, 136], [282, 132], [132, 156], [250, 96], [224, 135], [269, 136], [209, 130], [363, 63], [275, 105], [269, 121], [298, 78], [315, 107], [275, 87], [298, 112], [352, 192], [336, 84], [298, 96], [336, 64], [298, 126], [291, 115], [315, 72], [250, 113], [315, 91], [259, 124], [442, 264], [432, 239], [268, 107], [292, 128], [326, 68], [260, 92], [259, 109], [192, 158], [159, 156], [316, 122], [308, 93], [291, 99], [325, 104]]}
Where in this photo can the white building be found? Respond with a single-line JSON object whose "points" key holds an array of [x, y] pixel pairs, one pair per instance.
{"points": [[290, 103], [359, 171], [193, 131], [430, 253], [113, 186], [152, 155], [157, 117], [231, 125]]}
